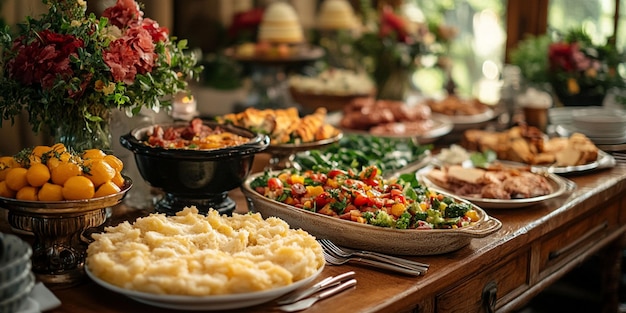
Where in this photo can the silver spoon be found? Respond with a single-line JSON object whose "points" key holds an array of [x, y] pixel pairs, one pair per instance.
{"points": [[308, 302]]}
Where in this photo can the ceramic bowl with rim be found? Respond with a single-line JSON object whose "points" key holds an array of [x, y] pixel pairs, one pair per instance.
{"points": [[188, 177], [17, 285], [15, 256], [15, 302], [332, 102], [367, 237]]}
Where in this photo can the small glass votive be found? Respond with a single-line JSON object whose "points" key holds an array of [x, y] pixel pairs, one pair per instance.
{"points": [[184, 108], [535, 105], [536, 116]]}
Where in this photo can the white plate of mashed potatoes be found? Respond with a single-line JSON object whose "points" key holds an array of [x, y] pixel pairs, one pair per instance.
{"points": [[196, 262], [206, 303]]}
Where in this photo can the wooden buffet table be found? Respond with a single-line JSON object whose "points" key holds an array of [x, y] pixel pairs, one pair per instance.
{"points": [[536, 246]]}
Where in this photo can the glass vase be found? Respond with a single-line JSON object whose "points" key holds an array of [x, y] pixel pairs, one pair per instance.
{"points": [[79, 136], [395, 86]]}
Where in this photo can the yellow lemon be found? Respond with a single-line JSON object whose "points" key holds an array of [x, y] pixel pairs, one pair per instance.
{"points": [[16, 178], [50, 192], [78, 188], [28, 193], [37, 175]]}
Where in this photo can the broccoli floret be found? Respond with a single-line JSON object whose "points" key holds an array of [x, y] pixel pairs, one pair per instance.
{"points": [[382, 219], [404, 220], [447, 200], [434, 217], [456, 210], [421, 216], [368, 216], [415, 210]]}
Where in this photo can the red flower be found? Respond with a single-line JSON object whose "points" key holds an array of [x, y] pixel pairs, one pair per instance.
{"points": [[392, 23], [158, 34], [42, 61], [124, 13], [246, 21], [561, 56]]}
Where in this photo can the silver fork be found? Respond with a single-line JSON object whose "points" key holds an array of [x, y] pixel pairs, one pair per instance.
{"points": [[619, 157], [346, 252], [336, 260]]}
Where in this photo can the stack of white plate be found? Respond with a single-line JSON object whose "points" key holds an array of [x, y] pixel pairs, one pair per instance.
{"points": [[16, 277], [604, 126]]}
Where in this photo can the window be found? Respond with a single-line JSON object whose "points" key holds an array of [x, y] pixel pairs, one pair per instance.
{"points": [[477, 52]]}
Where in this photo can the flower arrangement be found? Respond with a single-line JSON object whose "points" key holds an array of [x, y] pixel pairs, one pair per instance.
{"points": [[392, 46], [68, 69], [578, 71], [389, 48]]}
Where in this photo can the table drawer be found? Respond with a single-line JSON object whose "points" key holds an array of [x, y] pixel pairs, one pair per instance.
{"points": [[506, 279], [570, 239]]}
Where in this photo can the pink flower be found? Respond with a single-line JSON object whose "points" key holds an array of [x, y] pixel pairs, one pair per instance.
{"points": [[130, 55], [158, 34], [124, 13], [140, 40], [120, 59], [42, 61]]}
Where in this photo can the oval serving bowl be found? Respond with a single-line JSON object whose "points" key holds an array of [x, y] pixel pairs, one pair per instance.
{"points": [[369, 237]]}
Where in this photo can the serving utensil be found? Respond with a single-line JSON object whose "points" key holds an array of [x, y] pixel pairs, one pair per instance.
{"points": [[326, 283], [347, 252], [336, 260], [308, 302]]}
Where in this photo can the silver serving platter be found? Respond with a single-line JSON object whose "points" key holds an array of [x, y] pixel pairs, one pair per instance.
{"points": [[560, 186], [604, 160]]}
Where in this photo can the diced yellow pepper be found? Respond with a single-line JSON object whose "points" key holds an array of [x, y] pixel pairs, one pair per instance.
{"points": [[472, 215], [424, 206], [313, 191], [332, 183], [283, 176], [397, 209], [295, 179]]}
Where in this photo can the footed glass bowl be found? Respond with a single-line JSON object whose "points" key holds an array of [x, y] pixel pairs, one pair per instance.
{"points": [[188, 177], [60, 243]]}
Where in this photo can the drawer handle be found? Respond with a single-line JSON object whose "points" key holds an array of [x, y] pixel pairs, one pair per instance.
{"points": [[490, 296], [555, 254]]}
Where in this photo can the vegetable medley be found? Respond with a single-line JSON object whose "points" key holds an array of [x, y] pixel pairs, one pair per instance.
{"points": [[365, 197]]}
